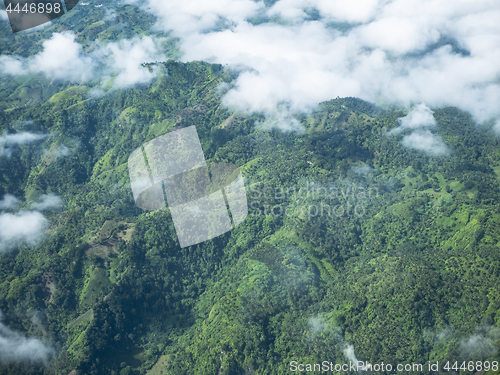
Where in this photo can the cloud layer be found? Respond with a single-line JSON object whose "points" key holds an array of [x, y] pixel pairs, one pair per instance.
{"points": [[401, 52], [302, 52], [17, 348]]}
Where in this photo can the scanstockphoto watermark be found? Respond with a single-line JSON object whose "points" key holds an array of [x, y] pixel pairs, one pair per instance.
{"points": [[310, 200]]}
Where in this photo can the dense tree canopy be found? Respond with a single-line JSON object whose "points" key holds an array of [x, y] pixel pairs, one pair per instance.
{"points": [[407, 275]]}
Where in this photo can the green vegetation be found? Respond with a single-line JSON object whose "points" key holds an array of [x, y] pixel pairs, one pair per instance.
{"points": [[405, 282]]}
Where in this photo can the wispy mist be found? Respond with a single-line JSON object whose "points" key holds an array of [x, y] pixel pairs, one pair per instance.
{"points": [[481, 344], [317, 324], [362, 169], [349, 353], [7, 141], [47, 202], [17, 348]]}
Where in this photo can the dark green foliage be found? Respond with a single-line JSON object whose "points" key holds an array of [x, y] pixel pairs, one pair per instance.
{"points": [[117, 293]]}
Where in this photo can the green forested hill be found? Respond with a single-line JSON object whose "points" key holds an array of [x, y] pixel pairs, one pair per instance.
{"points": [[409, 274]]}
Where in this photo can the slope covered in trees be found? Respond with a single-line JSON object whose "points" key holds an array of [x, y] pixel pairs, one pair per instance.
{"points": [[407, 273]]}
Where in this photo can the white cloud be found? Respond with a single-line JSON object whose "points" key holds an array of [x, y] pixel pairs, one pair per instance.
{"points": [[47, 202], [427, 142], [21, 227], [12, 65], [125, 58], [17, 348], [290, 10], [334, 10], [195, 16], [9, 140], [413, 34], [8, 201], [418, 117], [19, 138], [62, 58], [383, 51]]}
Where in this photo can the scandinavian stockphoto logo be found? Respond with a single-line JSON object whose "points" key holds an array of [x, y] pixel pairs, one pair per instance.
{"points": [[26, 14], [173, 167]]}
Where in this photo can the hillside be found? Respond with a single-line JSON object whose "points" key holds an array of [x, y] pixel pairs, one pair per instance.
{"points": [[409, 275]]}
